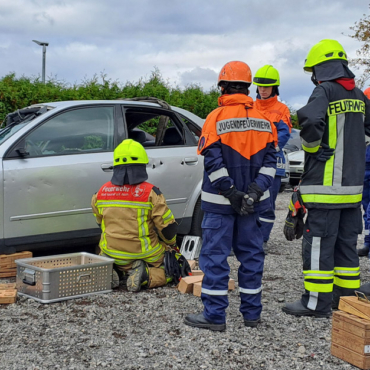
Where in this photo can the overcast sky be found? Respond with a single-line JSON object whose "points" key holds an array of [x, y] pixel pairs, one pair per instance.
{"points": [[188, 40]]}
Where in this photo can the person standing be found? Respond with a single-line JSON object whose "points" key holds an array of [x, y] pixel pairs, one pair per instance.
{"points": [[334, 123], [267, 80], [364, 251], [238, 146]]}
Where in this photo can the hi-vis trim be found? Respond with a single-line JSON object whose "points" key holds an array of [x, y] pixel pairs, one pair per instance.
{"points": [[222, 172], [346, 106], [116, 254], [215, 198], [265, 195], [168, 216], [243, 124], [266, 220], [250, 291], [349, 284], [347, 271], [214, 292], [142, 216], [269, 171], [315, 266], [123, 203], [313, 144], [335, 189], [331, 198]]}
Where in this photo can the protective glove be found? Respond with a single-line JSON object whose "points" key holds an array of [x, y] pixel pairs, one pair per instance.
{"points": [[254, 194], [323, 154], [293, 228], [184, 265], [171, 266], [236, 199]]}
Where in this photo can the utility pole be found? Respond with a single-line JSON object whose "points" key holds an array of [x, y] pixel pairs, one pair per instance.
{"points": [[44, 45]]}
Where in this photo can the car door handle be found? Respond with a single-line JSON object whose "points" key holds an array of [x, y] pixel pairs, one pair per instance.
{"points": [[107, 167], [191, 160]]}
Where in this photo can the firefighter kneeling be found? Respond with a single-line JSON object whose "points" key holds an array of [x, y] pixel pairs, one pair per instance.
{"points": [[129, 209]]}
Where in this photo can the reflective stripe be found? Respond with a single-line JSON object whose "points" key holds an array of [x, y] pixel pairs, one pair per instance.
{"points": [[320, 288], [318, 272], [345, 106], [310, 150], [312, 144], [336, 189], [312, 303], [124, 255], [347, 271], [329, 165], [319, 276], [265, 195], [339, 151], [315, 266], [269, 171], [250, 291], [367, 232], [143, 229], [222, 172], [242, 124], [168, 216], [214, 292], [266, 220], [215, 198], [350, 284], [325, 198], [124, 203]]}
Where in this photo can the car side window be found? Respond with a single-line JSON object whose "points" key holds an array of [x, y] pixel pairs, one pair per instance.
{"points": [[81, 130], [153, 128]]}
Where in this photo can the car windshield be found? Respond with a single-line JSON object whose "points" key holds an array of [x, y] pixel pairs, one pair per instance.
{"points": [[18, 119]]}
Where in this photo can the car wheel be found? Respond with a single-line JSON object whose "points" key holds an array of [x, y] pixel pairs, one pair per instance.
{"points": [[282, 188], [196, 223]]}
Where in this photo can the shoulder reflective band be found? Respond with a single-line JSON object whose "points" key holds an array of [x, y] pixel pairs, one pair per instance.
{"points": [[346, 106]]}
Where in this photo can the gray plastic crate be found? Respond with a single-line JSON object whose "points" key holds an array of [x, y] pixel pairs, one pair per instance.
{"points": [[65, 276]]}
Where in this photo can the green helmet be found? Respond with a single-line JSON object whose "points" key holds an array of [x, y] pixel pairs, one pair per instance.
{"points": [[322, 52], [130, 152], [267, 76]]}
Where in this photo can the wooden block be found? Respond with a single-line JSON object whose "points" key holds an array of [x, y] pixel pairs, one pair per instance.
{"points": [[7, 260], [345, 354], [192, 263], [11, 273], [355, 307], [197, 272], [351, 341], [231, 284], [186, 283], [351, 324], [8, 286], [197, 289], [7, 297]]}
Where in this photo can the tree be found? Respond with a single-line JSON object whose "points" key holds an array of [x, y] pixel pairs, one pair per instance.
{"points": [[362, 33]]}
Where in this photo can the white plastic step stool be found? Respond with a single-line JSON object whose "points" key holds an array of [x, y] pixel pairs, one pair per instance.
{"points": [[191, 246]]}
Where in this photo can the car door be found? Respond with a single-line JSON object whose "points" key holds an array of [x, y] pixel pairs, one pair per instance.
{"points": [[66, 159], [174, 166]]}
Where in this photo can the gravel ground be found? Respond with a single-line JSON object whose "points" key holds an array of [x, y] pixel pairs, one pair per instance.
{"points": [[145, 330]]}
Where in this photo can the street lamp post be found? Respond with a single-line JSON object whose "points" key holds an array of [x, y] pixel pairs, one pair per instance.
{"points": [[44, 45]]}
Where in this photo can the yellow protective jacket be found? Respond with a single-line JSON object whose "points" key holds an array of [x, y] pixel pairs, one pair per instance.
{"points": [[128, 215]]}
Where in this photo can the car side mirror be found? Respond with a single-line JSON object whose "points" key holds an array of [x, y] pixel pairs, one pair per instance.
{"points": [[22, 152]]}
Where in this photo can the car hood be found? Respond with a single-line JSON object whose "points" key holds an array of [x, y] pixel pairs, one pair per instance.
{"points": [[296, 156]]}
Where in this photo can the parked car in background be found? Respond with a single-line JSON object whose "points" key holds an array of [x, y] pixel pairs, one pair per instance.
{"points": [[294, 142], [285, 180], [56, 155], [296, 164]]}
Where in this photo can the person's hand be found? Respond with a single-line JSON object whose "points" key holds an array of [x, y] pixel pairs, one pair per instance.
{"points": [[323, 154], [294, 224], [236, 199]]}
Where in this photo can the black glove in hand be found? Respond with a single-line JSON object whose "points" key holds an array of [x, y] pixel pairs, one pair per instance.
{"points": [[254, 192], [248, 204], [293, 228], [289, 227], [323, 154], [236, 199]]}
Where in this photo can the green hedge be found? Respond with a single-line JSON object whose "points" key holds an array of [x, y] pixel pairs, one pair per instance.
{"points": [[16, 93]]}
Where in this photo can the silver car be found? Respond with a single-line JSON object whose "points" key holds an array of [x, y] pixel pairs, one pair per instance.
{"points": [[56, 155], [296, 163]]}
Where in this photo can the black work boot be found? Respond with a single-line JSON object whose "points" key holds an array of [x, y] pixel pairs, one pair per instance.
{"points": [[364, 251], [137, 275], [297, 309], [199, 321], [252, 323]]}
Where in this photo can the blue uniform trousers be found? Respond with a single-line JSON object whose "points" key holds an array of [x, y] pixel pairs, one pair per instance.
{"points": [[267, 217], [221, 233], [365, 203]]}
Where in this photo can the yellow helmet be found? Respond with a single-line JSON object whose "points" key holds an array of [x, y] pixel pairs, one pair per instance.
{"points": [[130, 152], [322, 52], [267, 76]]}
